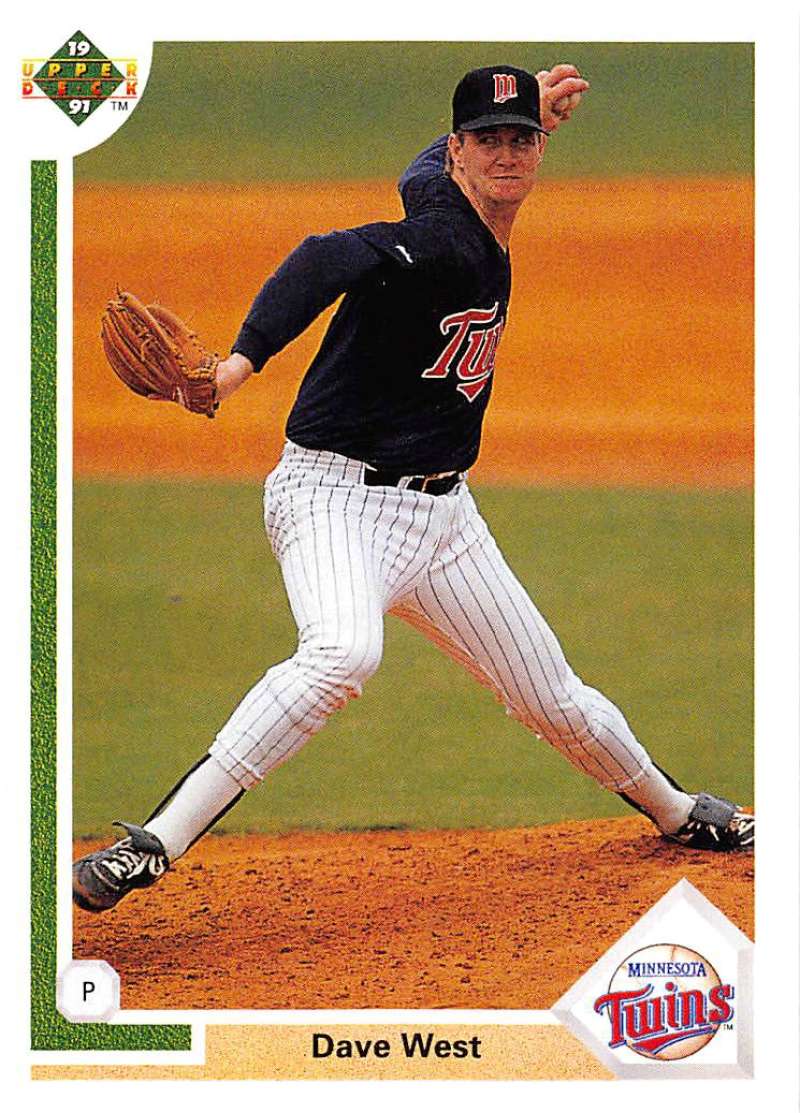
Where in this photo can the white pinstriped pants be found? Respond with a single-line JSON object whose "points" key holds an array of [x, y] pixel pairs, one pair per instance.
{"points": [[349, 554]]}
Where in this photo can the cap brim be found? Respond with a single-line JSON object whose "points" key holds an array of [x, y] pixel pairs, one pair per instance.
{"points": [[499, 119]]}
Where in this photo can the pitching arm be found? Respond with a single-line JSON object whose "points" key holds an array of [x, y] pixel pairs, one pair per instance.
{"points": [[560, 92]]}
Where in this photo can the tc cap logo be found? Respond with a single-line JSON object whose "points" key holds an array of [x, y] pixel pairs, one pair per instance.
{"points": [[505, 87]]}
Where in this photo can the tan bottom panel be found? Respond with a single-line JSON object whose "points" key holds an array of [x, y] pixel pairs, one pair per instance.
{"points": [[485, 1052]]}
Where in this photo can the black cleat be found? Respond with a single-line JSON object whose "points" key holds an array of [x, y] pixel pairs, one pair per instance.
{"points": [[102, 879], [716, 824]]}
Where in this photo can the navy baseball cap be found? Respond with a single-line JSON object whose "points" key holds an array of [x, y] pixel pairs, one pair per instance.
{"points": [[497, 95]]}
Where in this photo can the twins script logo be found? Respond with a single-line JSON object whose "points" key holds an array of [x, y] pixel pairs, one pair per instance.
{"points": [[471, 349], [666, 1002], [505, 87]]}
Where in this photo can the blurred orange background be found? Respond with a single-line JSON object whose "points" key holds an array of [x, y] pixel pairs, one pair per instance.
{"points": [[627, 360]]}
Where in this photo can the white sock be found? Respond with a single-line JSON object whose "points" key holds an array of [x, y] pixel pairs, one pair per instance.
{"points": [[669, 807], [195, 805]]}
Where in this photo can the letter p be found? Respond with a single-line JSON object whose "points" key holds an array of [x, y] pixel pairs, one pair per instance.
{"points": [[88, 990]]}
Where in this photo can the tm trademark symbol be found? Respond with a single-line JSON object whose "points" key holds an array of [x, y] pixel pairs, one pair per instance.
{"points": [[728, 1027], [120, 105]]}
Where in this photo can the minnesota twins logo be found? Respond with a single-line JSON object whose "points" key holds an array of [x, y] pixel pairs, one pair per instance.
{"points": [[666, 1002], [505, 87], [470, 351]]}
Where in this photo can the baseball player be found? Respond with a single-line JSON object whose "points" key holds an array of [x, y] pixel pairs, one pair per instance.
{"points": [[369, 509]]}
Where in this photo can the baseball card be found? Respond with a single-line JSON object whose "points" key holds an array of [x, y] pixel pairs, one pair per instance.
{"points": [[410, 578]]}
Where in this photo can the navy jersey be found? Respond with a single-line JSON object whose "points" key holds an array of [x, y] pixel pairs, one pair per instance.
{"points": [[404, 373]]}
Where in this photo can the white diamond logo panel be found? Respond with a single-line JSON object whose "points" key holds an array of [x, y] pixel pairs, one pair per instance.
{"points": [[673, 998]]}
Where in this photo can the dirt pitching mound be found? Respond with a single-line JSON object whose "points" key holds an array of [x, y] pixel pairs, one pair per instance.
{"points": [[396, 919]]}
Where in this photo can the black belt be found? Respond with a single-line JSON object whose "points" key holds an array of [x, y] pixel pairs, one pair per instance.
{"points": [[430, 484]]}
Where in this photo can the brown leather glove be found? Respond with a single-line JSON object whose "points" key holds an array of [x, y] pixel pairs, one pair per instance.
{"points": [[156, 355]]}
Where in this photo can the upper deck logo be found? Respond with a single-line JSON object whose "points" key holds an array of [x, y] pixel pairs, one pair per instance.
{"points": [[78, 78], [666, 1002]]}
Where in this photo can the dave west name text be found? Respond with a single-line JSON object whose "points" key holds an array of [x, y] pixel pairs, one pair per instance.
{"points": [[413, 1045]]}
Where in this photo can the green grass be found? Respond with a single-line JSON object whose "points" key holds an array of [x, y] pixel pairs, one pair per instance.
{"points": [[260, 111], [179, 608]]}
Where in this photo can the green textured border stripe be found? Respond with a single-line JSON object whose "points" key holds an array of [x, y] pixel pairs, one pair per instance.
{"points": [[49, 1030]]}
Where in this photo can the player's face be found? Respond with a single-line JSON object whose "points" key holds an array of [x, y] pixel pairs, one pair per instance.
{"points": [[498, 164]]}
